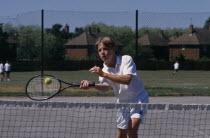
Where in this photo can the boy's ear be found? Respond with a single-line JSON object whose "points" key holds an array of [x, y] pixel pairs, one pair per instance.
{"points": [[114, 49]]}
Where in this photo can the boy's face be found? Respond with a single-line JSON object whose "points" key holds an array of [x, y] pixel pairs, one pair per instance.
{"points": [[106, 53]]}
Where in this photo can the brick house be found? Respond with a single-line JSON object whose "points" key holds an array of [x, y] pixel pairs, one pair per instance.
{"points": [[158, 43], [193, 44], [83, 46]]}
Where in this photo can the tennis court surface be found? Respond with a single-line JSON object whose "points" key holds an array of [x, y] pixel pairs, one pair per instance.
{"points": [[28, 119]]}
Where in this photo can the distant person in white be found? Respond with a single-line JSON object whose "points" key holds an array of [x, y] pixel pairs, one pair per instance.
{"points": [[120, 73], [1, 71], [176, 67], [7, 68]]}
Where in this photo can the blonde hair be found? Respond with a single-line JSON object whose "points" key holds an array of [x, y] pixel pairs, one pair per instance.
{"points": [[106, 41]]}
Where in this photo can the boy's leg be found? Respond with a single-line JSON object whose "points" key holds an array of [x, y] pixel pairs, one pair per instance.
{"points": [[1, 76], [174, 72], [133, 127], [8, 76], [122, 133]]}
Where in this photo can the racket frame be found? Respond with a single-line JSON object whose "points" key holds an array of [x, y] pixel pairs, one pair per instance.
{"points": [[60, 89]]}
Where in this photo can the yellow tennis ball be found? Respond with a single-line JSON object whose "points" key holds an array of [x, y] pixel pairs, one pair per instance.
{"points": [[47, 81]]}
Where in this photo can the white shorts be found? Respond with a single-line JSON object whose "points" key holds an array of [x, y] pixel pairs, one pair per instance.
{"points": [[124, 115]]}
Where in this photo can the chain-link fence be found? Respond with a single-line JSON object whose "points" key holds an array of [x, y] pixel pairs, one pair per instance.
{"points": [[62, 43]]}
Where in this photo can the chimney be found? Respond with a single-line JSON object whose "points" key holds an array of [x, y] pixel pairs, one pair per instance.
{"points": [[191, 29], [66, 28]]}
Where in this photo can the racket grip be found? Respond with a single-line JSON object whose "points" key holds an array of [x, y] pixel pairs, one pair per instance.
{"points": [[90, 84]]}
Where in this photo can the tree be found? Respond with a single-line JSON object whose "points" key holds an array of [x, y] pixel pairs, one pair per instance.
{"points": [[167, 33], [145, 53], [55, 49], [58, 32], [129, 49], [10, 29], [207, 24], [78, 31], [4, 45], [29, 41], [124, 34], [55, 30]]}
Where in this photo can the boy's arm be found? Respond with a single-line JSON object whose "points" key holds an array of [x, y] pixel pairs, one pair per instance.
{"points": [[122, 79], [101, 87]]}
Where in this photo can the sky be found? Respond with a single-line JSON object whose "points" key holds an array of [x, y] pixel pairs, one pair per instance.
{"points": [[153, 13], [14, 7]]}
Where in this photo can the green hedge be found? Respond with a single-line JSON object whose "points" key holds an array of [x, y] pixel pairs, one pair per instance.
{"points": [[87, 64]]}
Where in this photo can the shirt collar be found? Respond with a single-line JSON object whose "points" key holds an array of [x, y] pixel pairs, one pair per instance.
{"points": [[118, 62]]}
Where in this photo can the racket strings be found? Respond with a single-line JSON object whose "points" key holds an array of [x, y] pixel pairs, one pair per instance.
{"points": [[38, 88]]}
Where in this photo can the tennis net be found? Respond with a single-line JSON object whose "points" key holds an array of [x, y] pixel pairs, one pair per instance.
{"points": [[28, 119]]}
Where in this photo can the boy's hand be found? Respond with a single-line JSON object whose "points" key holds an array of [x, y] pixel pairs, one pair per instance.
{"points": [[97, 70], [84, 84]]}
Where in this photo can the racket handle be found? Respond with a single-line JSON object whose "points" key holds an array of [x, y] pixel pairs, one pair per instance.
{"points": [[90, 84]]}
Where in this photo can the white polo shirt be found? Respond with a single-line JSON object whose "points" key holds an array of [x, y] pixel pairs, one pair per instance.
{"points": [[132, 93], [1, 68], [176, 66], [7, 67]]}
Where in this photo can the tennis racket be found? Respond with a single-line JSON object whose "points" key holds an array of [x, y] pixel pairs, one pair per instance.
{"points": [[38, 89]]}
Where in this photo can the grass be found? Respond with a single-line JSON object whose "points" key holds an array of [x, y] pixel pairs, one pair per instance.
{"points": [[157, 83]]}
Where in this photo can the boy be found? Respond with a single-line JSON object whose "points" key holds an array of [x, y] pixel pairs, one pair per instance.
{"points": [[176, 67], [120, 73], [7, 68]]}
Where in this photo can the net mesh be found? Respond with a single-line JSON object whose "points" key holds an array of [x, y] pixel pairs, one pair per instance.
{"points": [[26, 119]]}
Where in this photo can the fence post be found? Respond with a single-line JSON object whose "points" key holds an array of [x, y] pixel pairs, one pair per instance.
{"points": [[42, 42], [136, 48]]}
